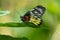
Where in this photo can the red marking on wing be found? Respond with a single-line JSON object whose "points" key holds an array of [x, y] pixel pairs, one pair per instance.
{"points": [[27, 18]]}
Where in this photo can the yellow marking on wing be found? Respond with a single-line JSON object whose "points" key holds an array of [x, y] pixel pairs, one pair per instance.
{"points": [[35, 21]]}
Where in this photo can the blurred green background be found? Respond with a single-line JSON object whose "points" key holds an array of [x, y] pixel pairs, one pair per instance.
{"points": [[51, 18]]}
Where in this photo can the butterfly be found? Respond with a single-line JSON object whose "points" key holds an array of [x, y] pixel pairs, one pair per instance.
{"points": [[34, 15]]}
